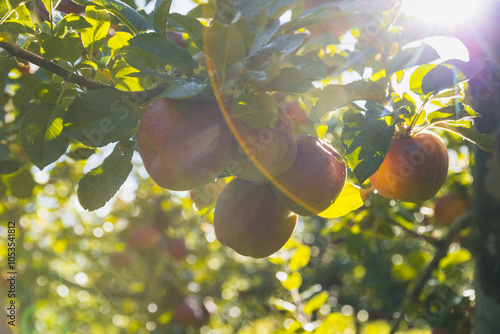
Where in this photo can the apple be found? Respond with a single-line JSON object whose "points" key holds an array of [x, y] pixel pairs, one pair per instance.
{"points": [[177, 249], [144, 238], [414, 168], [315, 179], [184, 143], [176, 37], [449, 207], [263, 152], [250, 220], [189, 312]]}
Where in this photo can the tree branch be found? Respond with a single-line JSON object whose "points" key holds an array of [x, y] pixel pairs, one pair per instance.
{"points": [[441, 251], [140, 98]]}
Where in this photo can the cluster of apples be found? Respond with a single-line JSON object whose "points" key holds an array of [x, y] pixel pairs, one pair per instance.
{"points": [[188, 143]]}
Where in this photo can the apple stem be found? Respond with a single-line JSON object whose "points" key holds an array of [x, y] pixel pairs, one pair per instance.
{"points": [[417, 116]]}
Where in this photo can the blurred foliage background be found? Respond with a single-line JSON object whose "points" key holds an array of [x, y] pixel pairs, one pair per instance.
{"points": [[149, 262]]}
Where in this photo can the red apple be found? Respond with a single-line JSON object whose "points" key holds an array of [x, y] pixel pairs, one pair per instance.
{"points": [[250, 220], [184, 143], [449, 207], [144, 238], [272, 149], [414, 168], [337, 25], [177, 249], [315, 179], [189, 312]]}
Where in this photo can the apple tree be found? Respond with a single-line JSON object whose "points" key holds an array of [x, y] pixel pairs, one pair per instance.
{"points": [[278, 166]]}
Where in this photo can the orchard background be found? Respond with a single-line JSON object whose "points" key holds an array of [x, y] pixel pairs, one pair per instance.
{"points": [[102, 249]]}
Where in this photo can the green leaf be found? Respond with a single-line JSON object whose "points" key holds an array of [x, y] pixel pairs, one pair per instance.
{"points": [[316, 302], [192, 27], [81, 153], [454, 259], [9, 166], [41, 137], [184, 90], [67, 48], [118, 41], [264, 36], [300, 258], [100, 117], [290, 80], [126, 14], [311, 65], [419, 55], [257, 110], [204, 10], [93, 38], [20, 184], [292, 282], [366, 143], [452, 113], [71, 21], [404, 272], [99, 185], [153, 52], [350, 198], [464, 129], [51, 5], [160, 16], [227, 45], [440, 78], [334, 96], [417, 77]]}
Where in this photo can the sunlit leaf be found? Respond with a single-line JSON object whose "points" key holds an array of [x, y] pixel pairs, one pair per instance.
{"points": [[316, 302], [126, 14], [454, 259], [351, 198], [366, 143], [300, 258], [41, 137], [292, 282], [451, 113], [93, 38], [464, 129], [419, 55]]}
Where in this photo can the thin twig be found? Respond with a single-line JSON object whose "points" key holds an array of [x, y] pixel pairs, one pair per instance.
{"points": [[427, 238], [441, 251], [139, 98]]}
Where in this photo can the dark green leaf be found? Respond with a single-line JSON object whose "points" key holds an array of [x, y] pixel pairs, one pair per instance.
{"points": [[464, 129], [67, 48], [334, 96], [192, 27], [285, 44], [162, 8], [422, 54], [264, 37], [366, 143], [451, 113], [154, 52], [227, 45], [20, 184], [290, 80], [276, 8], [41, 137], [257, 110], [100, 117], [311, 65], [253, 13], [184, 90], [440, 78], [9, 166], [126, 14], [100, 184]]}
